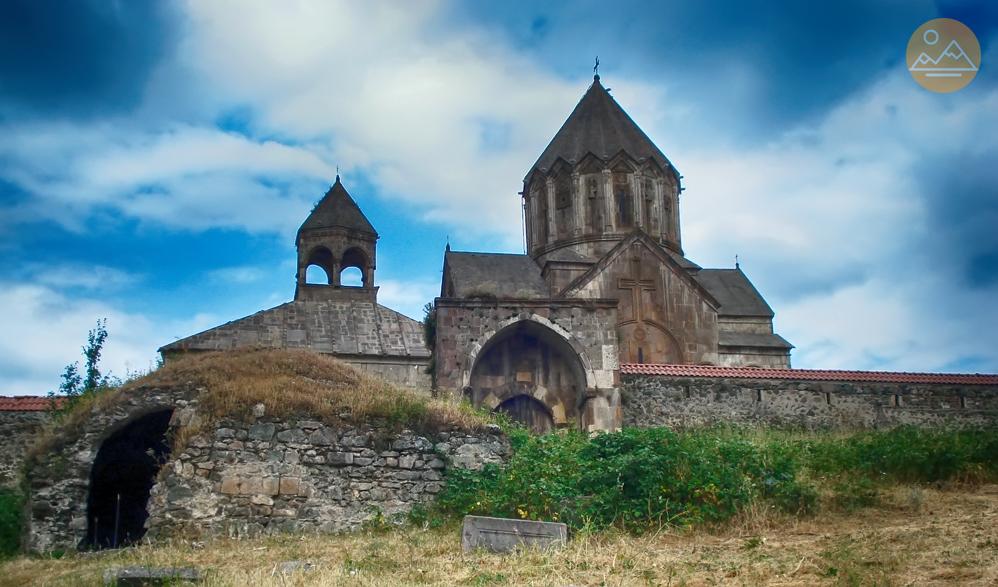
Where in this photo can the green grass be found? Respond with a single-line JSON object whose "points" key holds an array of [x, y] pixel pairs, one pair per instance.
{"points": [[642, 479]]}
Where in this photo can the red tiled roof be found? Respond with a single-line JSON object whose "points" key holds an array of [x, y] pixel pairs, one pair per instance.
{"points": [[808, 374], [26, 403]]}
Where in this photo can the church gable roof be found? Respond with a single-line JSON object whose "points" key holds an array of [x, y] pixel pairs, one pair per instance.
{"points": [[337, 210], [342, 327], [736, 294], [494, 275], [678, 264], [599, 126]]}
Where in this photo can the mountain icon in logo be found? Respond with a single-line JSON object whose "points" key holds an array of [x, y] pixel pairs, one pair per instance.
{"points": [[953, 61]]}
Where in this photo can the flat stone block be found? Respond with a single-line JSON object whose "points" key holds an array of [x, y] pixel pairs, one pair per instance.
{"points": [[504, 534], [151, 576]]}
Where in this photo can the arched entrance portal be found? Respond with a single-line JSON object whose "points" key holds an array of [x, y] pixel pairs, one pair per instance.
{"points": [[529, 412], [530, 372], [122, 475]]}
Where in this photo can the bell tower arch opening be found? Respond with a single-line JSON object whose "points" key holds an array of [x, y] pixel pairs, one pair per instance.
{"points": [[320, 266], [528, 360]]}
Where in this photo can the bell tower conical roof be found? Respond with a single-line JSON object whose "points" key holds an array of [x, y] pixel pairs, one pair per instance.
{"points": [[337, 210], [598, 125]]}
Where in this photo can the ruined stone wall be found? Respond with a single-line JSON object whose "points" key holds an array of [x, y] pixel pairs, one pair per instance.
{"points": [[18, 431], [698, 401], [240, 478], [304, 476]]}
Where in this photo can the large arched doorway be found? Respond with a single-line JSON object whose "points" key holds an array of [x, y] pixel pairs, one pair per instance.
{"points": [[122, 475], [530, 372], [529, 412]]}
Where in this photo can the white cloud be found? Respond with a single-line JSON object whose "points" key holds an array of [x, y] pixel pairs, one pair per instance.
{"points": [[412, 108], [77, 275], [238, 275], [407, 297], [833, 226], [44, 331]]}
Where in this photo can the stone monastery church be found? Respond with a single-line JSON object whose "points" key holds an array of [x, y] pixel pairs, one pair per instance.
{"points": [[541, 336]]}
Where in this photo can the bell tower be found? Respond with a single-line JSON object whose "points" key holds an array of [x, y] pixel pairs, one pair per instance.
{"points": [[335, 237]]}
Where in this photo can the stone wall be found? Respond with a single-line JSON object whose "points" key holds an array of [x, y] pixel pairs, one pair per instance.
{"points": [[245, 478], [696, 401], [305, 476], [18, 431], [467, 328]]}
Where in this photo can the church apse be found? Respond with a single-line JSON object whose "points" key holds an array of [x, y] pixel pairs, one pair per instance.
{"points": [[530, 373]]}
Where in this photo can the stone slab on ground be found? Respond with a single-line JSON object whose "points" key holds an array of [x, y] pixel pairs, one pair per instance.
{"points": [[123, 576], [504, 534]]}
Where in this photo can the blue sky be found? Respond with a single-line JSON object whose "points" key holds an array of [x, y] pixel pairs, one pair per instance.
{"points": [[157, 158]]}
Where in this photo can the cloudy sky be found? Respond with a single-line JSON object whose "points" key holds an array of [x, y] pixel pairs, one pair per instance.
{"points": [[157, 158]]}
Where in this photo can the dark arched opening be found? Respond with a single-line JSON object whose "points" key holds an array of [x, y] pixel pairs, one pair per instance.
{"points": [[323, 258], [529, 359], [353, 268], [529, 412], [121, 478]]}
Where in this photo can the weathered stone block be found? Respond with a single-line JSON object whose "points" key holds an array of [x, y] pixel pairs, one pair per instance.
{"points": [[151, 576], [262, 432], [270, 485], [504, 535], [290, 485], [230, 486]]}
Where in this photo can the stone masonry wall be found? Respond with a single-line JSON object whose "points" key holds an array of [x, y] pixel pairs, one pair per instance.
{"points": [[240, 479], [305, 476], [698, 401], [18, 431]]}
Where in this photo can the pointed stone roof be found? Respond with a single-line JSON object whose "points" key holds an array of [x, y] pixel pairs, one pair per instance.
{"points": [[337, 209], [598, 125]]}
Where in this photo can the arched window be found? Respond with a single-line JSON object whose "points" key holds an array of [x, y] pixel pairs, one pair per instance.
{"points": [[351, 277], [649, 206], [320, 266], [353, 268], [563, 204], [624, 200], [316, 275], [595, 218]]}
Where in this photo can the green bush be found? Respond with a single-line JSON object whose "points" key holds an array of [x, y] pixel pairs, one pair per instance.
{"points": [[642, 478], [10, 522], [635, 479]]}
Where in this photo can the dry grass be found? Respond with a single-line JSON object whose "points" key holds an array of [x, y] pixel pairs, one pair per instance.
{"points": [[299, 382], [949, 537], [288, 383]]}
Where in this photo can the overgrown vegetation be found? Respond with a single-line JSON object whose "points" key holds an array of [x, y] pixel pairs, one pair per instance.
{"points": [[76, 385], [641, 479], [430, 338], [287, 383], [10, 522]]}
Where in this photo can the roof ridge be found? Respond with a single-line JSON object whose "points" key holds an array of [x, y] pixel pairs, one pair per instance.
{"points": [[337, 208], [807, 374]]}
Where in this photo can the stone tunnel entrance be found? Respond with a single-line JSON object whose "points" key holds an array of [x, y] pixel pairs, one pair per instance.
{"points": [[122, 476], [530, 372]]}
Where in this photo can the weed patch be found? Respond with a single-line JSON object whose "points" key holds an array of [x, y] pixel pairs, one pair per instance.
{"points": [[10, 522]]}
